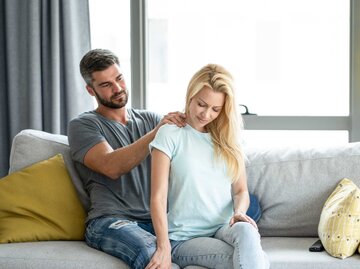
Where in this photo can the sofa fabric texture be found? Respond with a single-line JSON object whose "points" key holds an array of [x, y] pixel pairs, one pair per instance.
{"points": [[292, 185]]}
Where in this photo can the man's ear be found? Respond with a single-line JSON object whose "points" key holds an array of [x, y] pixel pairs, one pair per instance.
{"points": [[90, 90]]}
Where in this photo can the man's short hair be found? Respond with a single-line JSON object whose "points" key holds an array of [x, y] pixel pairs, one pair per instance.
{"points": [[96, 60]]}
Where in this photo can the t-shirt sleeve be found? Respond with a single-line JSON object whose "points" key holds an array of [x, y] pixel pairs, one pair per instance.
{"points": [[83, 134], [165, 140], [150, 118], [156, 118]]}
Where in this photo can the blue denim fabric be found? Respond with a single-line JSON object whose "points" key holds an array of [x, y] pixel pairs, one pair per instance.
{"points": [[207, 252], [135, 243], [231, 248], [254, 210], [132, 242], [245, 239]]}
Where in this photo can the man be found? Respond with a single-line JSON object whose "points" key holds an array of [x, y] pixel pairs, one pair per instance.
{"points": [[110, 148]]}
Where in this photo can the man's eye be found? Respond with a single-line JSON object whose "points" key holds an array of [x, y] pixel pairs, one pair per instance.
{"points": [[106, 85]]}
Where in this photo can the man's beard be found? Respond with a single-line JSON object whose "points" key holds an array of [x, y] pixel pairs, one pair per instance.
{"points": [[109, 103]]}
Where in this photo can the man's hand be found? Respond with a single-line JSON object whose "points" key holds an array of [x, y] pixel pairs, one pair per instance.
{"points": [[237, 217], [176, 118], [161, 259]]}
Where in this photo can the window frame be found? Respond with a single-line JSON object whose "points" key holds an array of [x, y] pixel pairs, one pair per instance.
{"points": [[350, 123]]}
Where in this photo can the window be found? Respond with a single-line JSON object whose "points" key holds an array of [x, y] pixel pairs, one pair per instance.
{"points": [[293, 60], [287, 56], [110, 29], [279, 138]]}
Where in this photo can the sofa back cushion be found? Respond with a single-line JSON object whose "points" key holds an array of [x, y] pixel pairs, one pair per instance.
{"points": [[292, 184], [31, 146]]}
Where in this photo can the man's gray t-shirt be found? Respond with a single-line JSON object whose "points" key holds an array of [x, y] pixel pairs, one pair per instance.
{"points": [[129, 196]]}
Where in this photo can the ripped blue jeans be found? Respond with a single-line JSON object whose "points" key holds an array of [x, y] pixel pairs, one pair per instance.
{"points": [[132, 242]]}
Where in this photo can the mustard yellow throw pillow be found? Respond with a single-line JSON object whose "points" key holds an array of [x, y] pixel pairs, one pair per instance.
{"points": [[339, 226], [39, 203]]}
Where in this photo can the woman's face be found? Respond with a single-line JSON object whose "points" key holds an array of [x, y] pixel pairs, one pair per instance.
{"points": [[204, 107]]}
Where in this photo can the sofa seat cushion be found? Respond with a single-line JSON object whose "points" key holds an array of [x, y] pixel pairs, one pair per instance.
{"points": [[293, 252], [59, 255], [283, 252], [56, 255]]}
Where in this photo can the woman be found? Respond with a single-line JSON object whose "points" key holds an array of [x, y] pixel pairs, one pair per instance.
{"points": [[199, 172]]}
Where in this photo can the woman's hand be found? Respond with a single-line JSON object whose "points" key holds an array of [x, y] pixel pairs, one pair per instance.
{"points": [[240, 216], [161, 259]]}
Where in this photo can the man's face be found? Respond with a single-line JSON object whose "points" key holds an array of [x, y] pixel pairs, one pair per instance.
{"points": [[109, 88]]}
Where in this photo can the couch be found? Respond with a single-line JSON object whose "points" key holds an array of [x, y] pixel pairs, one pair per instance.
{"points": [[292, 185]]}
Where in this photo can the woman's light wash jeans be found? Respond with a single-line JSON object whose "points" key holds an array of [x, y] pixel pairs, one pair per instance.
{"points": [[231, 247], [135, 243]]}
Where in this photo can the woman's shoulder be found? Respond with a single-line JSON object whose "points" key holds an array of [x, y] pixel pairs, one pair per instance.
{"points": [[170, 132], [170, 128]]}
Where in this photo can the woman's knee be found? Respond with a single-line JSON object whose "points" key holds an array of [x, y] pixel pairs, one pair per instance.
{"points": [[244, 230]]}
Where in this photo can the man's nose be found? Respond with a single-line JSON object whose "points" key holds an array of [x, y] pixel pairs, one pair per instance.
{"points": [[116, 87]]}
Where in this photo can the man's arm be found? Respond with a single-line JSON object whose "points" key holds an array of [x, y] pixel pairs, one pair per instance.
{"points": [[103, 159]]}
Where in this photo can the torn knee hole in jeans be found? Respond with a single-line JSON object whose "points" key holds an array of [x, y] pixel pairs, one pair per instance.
{"points": [[118, 224]]}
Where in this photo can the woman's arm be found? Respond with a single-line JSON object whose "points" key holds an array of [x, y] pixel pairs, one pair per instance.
{"points": [[241, 200], [160, 167]]}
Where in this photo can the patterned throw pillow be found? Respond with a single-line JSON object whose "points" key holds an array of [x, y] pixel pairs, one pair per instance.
{"points": [[339, 226]]}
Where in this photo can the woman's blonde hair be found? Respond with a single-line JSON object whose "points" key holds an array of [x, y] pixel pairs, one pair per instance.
{"points": [[225, 128]]}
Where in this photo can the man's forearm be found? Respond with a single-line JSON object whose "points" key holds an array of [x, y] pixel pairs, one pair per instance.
{"points": [[122, 160]]}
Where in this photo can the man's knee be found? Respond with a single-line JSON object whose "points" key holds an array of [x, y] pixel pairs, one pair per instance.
{"points": [[142, 259], [141, 244], [145, 250]]}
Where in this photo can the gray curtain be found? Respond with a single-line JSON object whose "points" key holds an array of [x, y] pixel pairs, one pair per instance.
{"points": [[41, 44]]}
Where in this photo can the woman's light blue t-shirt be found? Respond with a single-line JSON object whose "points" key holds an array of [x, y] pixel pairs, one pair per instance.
{"points": [[199, 188]]}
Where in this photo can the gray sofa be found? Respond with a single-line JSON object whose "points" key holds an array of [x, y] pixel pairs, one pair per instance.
{"points": [[292, 185]]}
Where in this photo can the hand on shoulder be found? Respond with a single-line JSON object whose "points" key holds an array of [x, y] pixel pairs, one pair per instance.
{"points": [[177, 118]]}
